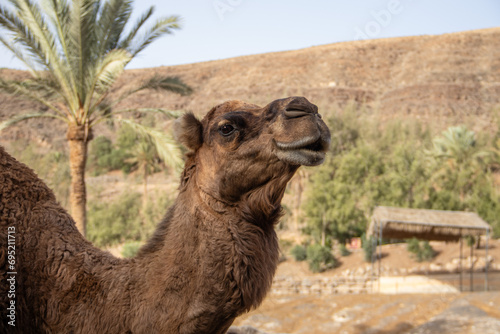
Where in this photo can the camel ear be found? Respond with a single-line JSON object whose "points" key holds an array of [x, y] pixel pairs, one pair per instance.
{"points": [[189, 131]]}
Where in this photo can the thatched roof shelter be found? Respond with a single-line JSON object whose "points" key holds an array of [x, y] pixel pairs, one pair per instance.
{"points": [[399, 223]]}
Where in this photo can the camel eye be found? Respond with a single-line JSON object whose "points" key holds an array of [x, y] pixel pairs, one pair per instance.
{"points": [[226, 129]]}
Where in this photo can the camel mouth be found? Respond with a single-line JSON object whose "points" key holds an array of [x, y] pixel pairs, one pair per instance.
{"points": [[309, 151]]}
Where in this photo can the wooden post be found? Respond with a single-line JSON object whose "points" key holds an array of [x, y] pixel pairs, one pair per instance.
{"points": [[380, 257], [460, 265], [486, 263], [471, 266]]}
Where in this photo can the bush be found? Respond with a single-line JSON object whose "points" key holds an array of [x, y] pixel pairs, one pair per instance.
{"points": [[344, 251], [130, 249], [320, 258], [427, 252], [413, 245], [299, 253], [368, 248], [115, 222], [104, 157], [422, 251], [154, 211]]}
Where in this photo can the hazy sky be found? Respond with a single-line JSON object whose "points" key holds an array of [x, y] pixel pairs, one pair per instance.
{"points": [[217, 29]]}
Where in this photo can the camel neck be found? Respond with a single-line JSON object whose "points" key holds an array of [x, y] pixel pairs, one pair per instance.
{"points": [[210, 203], [205, 263]]}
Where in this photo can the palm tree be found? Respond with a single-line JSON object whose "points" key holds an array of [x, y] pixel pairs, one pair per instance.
{"points": [[151, 148], [75, 51], [456, 156], [457, 145]]}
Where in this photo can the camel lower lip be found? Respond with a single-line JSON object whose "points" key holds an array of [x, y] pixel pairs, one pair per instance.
{"points": [[307, 151], [299, 144], [304, 157]]}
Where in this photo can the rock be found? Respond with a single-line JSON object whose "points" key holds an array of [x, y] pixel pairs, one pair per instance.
{"points": [[244, 330], [261, 321], [435, 267], [461, 317], [360, 271], [452, 267], [344, 315], [316, 289]]}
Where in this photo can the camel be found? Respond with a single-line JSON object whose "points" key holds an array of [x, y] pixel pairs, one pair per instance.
{"points": [[211, 258]]}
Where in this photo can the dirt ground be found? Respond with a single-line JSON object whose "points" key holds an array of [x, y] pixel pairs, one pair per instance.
{"points": [[471, 313], [374, 313]]}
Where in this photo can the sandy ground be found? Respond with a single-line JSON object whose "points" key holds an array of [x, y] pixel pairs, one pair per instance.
{"points": [[442, 313], [374, 313]]}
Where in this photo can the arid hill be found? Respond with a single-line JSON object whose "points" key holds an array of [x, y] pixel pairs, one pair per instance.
{"points": [[443, 80]]}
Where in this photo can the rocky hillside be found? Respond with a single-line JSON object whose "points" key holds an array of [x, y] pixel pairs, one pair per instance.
{"points": [[442, 80]]}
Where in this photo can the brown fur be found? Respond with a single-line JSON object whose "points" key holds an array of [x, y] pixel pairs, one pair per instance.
{"points": [[212, 257]]}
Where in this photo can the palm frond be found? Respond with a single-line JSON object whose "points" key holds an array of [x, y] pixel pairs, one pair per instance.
{"points": [[28, 27], [59, 14], [81, 44], [31, 15], [38, 90], [169, 113], [171, 84], [125, 42], [113, 18], [161, 27], [20, 118], [108, 69], [106, 114], [19, 54], [167, 148], [21, 35]]}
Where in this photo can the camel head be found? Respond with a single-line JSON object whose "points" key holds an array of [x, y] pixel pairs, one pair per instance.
{"points": [[238, 147]]}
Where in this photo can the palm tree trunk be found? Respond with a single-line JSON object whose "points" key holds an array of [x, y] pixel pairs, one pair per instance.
{"points": [[78, 141]]}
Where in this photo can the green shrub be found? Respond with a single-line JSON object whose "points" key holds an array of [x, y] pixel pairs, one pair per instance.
{"points": [[368, 248], [427, 252], [471, 241], [115, 222], [421, 251], [344, 251], [157, 205], [320, 258], [104, 157], [299, 253], [413, 245], [126, 218], [130, 249]]}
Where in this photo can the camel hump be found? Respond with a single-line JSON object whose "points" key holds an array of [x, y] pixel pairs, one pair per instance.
{"points": [[19, 183]]}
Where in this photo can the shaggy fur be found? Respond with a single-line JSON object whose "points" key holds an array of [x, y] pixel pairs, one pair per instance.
{"points": [[212, 257]]}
